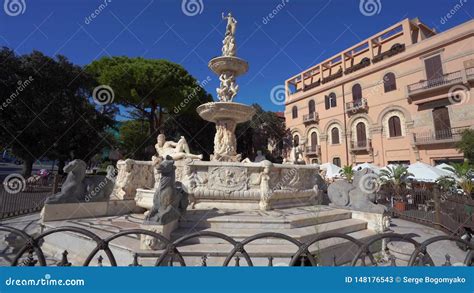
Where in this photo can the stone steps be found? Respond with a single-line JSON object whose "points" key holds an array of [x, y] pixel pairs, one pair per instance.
{"points": [[195, 220], [302, 233], [301, 223]]}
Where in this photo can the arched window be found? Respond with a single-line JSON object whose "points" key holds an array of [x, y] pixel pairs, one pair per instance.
{"points": [[296, 140], [330, 101], [356, 93], [311, 107], [389, 83], [337, 161], [314, 139], [394, 126], [335, 135], [294, 112], [361, 134]]}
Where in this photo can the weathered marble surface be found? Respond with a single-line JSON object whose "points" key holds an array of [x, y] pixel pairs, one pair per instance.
{"points": [[355, 196], [132, 175], [247, 185]]}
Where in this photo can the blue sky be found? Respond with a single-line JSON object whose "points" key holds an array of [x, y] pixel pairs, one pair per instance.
{"points": [[301, 34]]}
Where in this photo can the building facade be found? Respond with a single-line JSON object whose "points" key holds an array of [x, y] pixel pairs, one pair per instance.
{"points": [[400, 96]]}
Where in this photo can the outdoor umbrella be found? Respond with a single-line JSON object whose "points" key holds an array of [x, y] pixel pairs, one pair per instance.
{"points": [[368, 166], [332, 170], [426, 173]]}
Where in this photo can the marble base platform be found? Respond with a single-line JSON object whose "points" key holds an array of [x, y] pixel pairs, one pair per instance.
{"points": [[68, 211], [302, 223]]}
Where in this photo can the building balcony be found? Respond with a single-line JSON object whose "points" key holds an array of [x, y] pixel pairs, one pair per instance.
{"points": [[450, 135], [311, 118], [357, 106], [361, 146], [313, 151], [425, 87]]}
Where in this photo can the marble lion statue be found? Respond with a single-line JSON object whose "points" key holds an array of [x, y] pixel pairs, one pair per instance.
{"points": [[77, 188], [358, 195], [74, 189], [170, 200]]}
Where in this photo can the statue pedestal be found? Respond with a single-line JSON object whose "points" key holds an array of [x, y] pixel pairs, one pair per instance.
{"points": [[68, 211], [151, 243]]}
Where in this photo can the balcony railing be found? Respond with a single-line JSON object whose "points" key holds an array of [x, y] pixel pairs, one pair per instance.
{"points": [[424, 85], [356, 106], [361, 145], [439, 136], [311, 118], [470, 73], [313, 150]]}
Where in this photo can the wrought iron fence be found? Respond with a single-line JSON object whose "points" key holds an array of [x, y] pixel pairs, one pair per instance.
{"points": [[30, 252], [30, 199], [450, 212]]}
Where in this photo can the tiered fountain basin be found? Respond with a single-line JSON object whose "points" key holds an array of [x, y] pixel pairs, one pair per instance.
{"points": [[218, 111], [243, 186], [223, 64]]}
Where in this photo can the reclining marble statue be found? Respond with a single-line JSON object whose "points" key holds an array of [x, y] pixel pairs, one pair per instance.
{"points": [[176, 150], [356, 196]]}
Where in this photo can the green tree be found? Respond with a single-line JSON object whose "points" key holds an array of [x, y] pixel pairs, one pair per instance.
{"points": [[466, 144], [395, 177], [46, 111], [133, 136], [254, 135], [150, 87], [347, 172], [463, 176]]}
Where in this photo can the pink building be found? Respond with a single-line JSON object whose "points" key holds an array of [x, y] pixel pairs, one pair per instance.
{"points": [[402, 95]]}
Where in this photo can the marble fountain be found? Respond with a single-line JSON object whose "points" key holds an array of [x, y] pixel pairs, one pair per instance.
{"points": [[227, 194]]}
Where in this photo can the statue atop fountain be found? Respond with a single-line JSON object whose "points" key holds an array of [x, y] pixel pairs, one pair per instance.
{"points": [[225, 113]]}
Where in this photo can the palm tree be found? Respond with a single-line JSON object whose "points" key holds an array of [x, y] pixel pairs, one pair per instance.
{"points": [[395, 177], [463, 173], [347, 172]]}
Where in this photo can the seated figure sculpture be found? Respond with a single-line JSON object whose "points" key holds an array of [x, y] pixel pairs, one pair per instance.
{"points": [[358, 195]]}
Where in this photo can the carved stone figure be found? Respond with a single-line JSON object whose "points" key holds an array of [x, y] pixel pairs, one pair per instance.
{"points": [[74, 188], [100, 188], [265, 190], [177, 151], [130, 176], [295, 156], [170, 199], [228, 45], [343, 194], [225, 144], [228, 88]]}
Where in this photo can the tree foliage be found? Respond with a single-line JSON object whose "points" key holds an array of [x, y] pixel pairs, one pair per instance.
{"points": [[46, 111], [466, 145], [254, 135]]}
